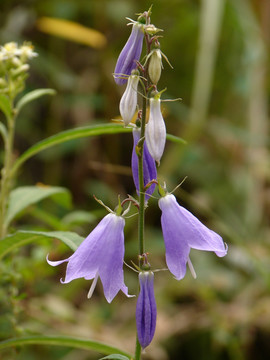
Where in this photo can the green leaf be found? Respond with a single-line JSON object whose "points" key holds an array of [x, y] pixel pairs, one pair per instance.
{"points": [[3, 131], [21, 238], [5, 106], [115, 357], [22, 197], [33, 95], [64, 341], [79, 217], [176, 139], [68, 135]]}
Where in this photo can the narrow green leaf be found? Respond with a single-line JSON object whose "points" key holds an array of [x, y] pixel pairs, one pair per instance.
{"points": [[68, 135], [21, 238], [5, 106], [64, 341], [33, 95], [22, 197], [115, 357], [79, 217], [176, 139], [3, 131]]}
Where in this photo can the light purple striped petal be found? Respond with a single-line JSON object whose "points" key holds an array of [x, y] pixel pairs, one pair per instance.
{"points": [[149, 166], [102, 254], [183, 231], [146, 309], [130, 54]]}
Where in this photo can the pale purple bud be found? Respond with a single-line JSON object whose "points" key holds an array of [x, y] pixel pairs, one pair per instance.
{"points": [[155, 131], [128, 101], [146, 310], [183, 231], [149, 166], [130, 54], [101, 254]]}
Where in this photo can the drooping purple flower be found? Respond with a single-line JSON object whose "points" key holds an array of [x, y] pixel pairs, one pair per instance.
{"points": [[146, 309], [130, 54], [149, 166], [155, 131], [101, 254], [183, 231]]}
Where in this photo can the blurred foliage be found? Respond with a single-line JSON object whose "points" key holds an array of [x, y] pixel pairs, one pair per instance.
{"points": [[224, 116]]}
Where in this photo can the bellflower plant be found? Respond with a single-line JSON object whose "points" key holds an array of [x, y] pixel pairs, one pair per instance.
{"points": [[183, 231], [149, 166], [146, 309], [100, 255], [130, 54]]}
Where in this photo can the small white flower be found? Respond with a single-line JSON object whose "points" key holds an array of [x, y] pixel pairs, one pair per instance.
{"points": [[27, 51], [128, 101], [9, 50], [155, 131]]}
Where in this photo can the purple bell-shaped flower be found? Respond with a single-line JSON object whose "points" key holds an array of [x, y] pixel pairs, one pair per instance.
{"points": [[149, 166], [183, 231], [129, 55], [100, 255]]}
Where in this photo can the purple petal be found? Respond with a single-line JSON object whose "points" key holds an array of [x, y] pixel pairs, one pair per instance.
{"points": [[149, 166], [111, 271], [102, 253], [130, 54], [182, 231], [146, 310]]}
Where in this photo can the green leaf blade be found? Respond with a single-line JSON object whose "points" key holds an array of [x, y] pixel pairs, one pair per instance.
{"points": [[21, 238], [33, 95], [64, 341], [115, 357], [69, 135], [5, 106], [24, 196]]}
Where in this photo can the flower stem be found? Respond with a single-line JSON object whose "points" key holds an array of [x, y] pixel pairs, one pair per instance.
{"points": [[138, 350], [6, 180]]}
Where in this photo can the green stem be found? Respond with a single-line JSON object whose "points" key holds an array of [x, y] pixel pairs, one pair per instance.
{"points": [[6, 179], [138, 349]]}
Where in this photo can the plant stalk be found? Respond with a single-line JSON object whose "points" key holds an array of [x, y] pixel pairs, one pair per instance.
{"points": [[6, 180]]}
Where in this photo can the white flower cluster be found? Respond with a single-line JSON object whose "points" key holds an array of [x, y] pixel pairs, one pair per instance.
{"points": [[11, 51]]}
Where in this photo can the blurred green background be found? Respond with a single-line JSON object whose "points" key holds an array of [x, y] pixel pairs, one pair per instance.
{"points": [[220, 52]]}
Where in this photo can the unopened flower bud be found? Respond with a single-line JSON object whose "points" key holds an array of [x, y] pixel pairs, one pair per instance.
{"points": [[149, 166], [155, 66], [130, 54], [128, 101], [146, 310], [22, 69], [155, 131]]}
